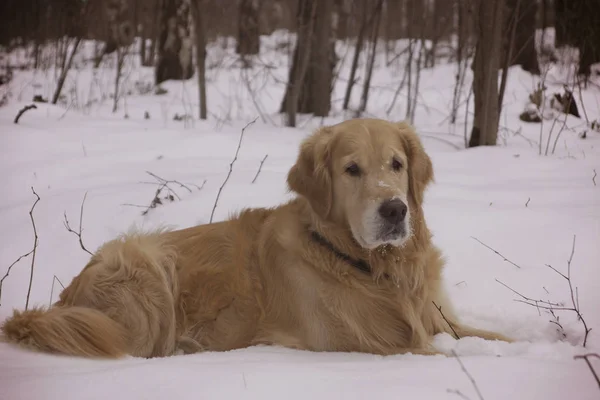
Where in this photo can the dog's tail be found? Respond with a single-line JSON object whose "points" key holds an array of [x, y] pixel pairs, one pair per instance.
{"points": [[77, 331]]}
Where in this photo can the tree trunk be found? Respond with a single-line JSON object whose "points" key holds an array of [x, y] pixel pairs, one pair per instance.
{"points": [[374, 38], [200, 32], [248, 28], [523, 51], [485, 77], [509, 47], [314, 89], [306, 19], [360, 39], [315, 93], [174, 44], [65, 69]]}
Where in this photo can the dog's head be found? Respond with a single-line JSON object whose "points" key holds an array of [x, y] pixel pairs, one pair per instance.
{"points": [[367, 174]]}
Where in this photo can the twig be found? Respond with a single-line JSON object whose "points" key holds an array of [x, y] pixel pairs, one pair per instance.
{"points": [[468, 375], [23, 110], [439, 308], [574, 292], [162, 185], [526, 299], [594, 177], [586, 357], [55, 279], [32, 251], [260, 168], [78, 233], [35, 243], [458, 393], [528, 200], [547, 305], [230, 168], [505, 259]]}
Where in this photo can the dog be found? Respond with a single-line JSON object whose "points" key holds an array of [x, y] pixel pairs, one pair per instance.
{"points": [[348, 265]]}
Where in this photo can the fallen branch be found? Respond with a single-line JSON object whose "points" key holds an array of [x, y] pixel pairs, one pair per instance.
{"points": [[32, 251], [594, 177], [23, 110], [505, 259], [260, 168], [439, 308], [586, 358], [78, 233], [230, 168], [468, 375], [527, 203]]}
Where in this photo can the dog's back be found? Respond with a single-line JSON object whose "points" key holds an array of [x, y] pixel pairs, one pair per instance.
{"points": [[150, 294], [121, 303]]}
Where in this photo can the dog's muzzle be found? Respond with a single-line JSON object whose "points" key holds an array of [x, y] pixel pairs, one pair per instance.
{"points": [[393, 219]]}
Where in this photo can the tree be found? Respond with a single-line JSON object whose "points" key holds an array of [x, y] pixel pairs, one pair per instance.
{"points": [[248, 28], [486, 65], [174, 43], [521, 16], [578, 24], [200, 33], [311, 73]]}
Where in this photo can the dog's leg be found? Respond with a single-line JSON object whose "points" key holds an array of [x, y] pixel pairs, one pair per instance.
{"points": [[466, 331]]}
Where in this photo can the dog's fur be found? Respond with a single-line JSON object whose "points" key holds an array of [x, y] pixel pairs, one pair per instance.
{"points": [[259, 278]]}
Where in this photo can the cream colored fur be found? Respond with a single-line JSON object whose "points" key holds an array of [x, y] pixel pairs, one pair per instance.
{"points": [[258, 278]]}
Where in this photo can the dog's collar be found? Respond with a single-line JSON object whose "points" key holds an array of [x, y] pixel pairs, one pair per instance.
{"points": [[361, 265]]}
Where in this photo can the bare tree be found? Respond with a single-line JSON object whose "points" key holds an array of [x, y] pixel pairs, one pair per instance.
{"points": [[367, 19], [374, 38], [522, 24], [306, 18], [248, 29], [486, 66], [65, 67], [199, 30], [174, 44]]}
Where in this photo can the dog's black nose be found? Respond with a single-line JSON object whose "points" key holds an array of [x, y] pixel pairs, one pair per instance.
{"points": [[393, 211]]}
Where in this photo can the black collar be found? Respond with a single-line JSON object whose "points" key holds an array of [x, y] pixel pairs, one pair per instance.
{"points": [[361, 265]]}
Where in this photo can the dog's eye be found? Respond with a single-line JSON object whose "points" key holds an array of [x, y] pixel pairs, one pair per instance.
{"points": [[396, 165], [353, 169]]}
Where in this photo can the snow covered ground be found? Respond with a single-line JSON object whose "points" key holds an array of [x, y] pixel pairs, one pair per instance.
{"points": [[525, 206]]}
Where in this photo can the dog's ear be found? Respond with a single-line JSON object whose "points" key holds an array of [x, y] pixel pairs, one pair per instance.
{"points": [[420, 168], [310, 176]]}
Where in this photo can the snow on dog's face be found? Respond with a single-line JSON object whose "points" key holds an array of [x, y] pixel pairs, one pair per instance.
{"points": [[367, 174]]}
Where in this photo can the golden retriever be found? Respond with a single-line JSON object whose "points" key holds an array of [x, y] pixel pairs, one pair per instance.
{"points": [[348, 265]]}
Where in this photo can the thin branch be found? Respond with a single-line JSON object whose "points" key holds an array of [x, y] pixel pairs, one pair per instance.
{"points": [[55, 279], [23, 110], [164, 184], [260, 168], [439, 308], [458, 393], [594, 177], [547, 305], [230, 168], [505, 259], [525, 298], [468, 375], [586, 358], [35, 244], [78, 233], [527, 203], [32, 251]]}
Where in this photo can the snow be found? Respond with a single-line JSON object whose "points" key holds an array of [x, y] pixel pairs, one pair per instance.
{"points": [[525, 206]]}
